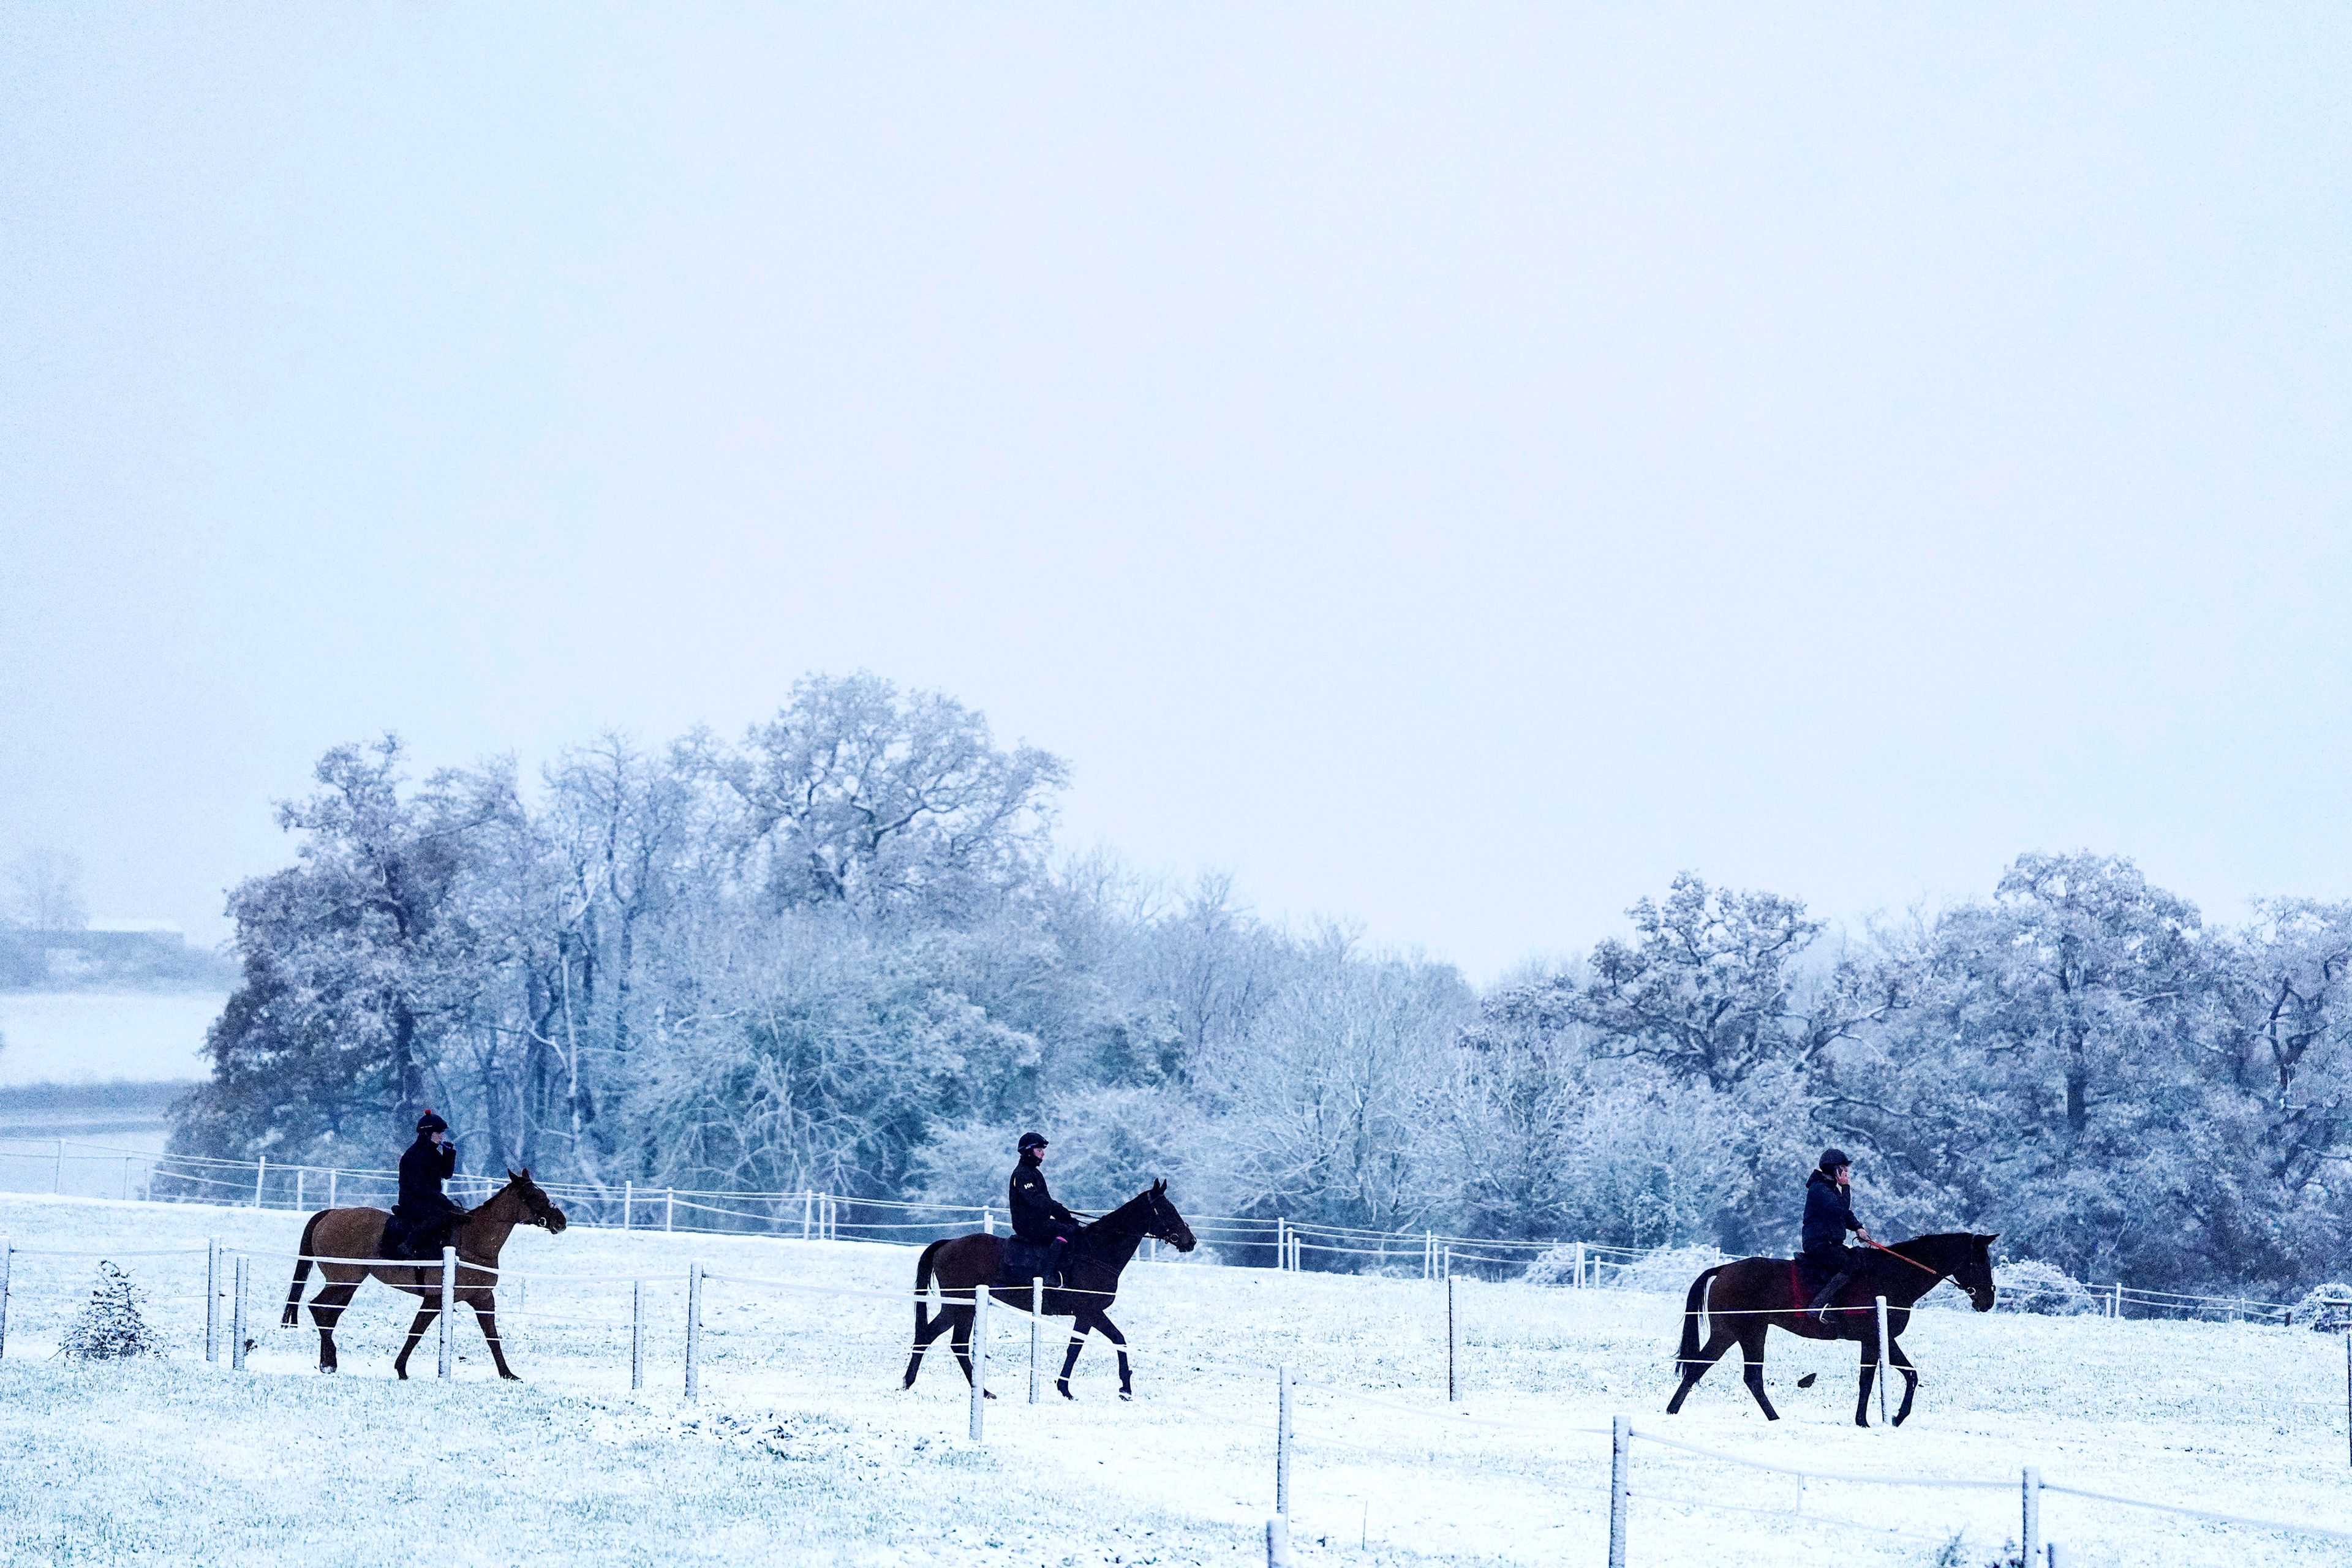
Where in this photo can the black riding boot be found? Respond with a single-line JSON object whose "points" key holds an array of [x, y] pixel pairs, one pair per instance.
{"points": [[1827, 1299]]}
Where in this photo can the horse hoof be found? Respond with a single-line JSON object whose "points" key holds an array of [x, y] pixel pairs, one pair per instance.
{"points": [[511, 1377], [986, 1394], [1066, 1393], [1126, 1393]]}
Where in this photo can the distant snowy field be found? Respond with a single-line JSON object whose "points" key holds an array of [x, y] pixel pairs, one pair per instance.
{"points": [[802, 1448], [95, 1036]]}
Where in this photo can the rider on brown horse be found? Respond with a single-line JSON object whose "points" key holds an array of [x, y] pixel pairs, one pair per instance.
{"points": [[1036, 1218], [1829, 1215], [424, 1217]]}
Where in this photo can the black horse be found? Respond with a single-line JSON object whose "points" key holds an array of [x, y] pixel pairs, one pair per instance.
{"points": [[1742, 1301], [1089, 1282]]}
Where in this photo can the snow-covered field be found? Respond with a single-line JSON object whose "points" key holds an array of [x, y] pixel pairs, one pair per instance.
{"points": [[802, 1450], [93, 1037]]}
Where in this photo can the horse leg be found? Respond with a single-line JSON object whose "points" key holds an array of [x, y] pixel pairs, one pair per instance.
{"points": [[1751, 1357], [926, 1330], [485, 1312], [1718, 1342], [326, 1311], [1083, 1321], [424, 1316], [1869, 1372], [959, 1341], [1910, 1377], [1111, 1331]]}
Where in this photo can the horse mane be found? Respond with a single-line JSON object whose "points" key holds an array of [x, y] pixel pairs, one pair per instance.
{"points": [[1122, 1212]]}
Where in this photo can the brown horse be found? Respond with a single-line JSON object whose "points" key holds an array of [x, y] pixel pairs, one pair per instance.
{"points": [[1089, 1282], [1743, 1300], [334, 1235]]}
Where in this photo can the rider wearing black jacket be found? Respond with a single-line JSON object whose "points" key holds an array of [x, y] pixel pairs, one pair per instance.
{"points": [[1036, 1218], [425, 1214], [1829, 1215]]}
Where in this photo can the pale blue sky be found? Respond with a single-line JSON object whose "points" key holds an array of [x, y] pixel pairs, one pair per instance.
{"points": [[1454, 467]]}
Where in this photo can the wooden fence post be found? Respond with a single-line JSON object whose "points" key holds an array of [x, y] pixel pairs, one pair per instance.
{"points": [[1621, 1467], [1453, 1347], [2033, 1524], [448, 1308], [1281, 1441], [978, 1358], [670, 1209], [628, 1201], [637, 1336], [260, 1176], [212, 1299], [57, 1170], [694, 1332], [1882, 1359], [1277, 1543], [332, 1177], [5, 1250], [237, 1319], [808, 1205]]}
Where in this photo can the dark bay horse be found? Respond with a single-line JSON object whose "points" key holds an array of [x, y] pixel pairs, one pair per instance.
{"points": [[1089, 1282], [334, 1235], [1744, 1300]]}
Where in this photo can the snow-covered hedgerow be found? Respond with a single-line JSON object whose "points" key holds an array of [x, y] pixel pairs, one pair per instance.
{"points": [[2326, 1308], [111, 1324], [2027, 1286], [1669, 1270]]}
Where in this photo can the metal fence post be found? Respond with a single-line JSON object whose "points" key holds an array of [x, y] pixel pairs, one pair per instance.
{"points": [[212, 1299], [1620, 1468], [637, 1336], [448, 1307], [2033, 1526], [1453, 1347], [1281, 1441], [1882, 1358], [1036, 1337], [694, 1332], [237, 1319], [979, 1356]]}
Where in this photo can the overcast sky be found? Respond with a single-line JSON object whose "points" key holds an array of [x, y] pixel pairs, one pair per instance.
{"points": [[1453, 467]]}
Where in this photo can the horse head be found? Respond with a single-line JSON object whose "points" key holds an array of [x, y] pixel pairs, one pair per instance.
{"points": [[535, 1203], [1161, 1221], [1974, 1273]]}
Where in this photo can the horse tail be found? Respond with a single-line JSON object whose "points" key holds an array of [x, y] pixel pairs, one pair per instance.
{"points": [[923, 1285], [1687, 1356], [301, 1269]]}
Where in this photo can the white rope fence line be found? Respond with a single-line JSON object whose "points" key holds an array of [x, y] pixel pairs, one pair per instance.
{"points": [[2208, 1515], [1940, 1481]]}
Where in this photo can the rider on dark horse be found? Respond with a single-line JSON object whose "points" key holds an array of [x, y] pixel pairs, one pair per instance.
{"points": [[1036, 1218], [423, 1218], [1829, 1215]]}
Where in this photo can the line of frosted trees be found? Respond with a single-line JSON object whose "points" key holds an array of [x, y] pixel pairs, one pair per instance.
{"points": [[840, 952]]}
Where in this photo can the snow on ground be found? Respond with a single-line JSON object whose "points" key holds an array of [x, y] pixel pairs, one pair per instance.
{"points": [[94, 1037], [802, 1448]]}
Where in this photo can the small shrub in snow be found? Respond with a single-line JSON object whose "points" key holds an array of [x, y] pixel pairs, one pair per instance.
{"points": [[2327, 1309], [1668, 1270], [2027, 1286], [1553, 1265], [111, 1325]]}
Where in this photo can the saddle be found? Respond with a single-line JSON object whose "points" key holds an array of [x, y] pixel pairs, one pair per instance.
{"points": [[409, 1239], [1805, 1281], [1026, 1260]]}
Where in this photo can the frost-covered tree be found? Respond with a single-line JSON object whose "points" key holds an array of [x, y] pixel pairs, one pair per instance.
{"points": [[113, 1324]]}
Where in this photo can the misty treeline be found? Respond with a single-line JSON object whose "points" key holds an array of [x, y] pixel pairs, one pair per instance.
{"points": [[839, 953]]}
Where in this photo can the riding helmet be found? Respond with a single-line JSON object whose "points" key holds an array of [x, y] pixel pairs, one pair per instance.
{"points": [[1832, 1158], [429, 1122], [1030, 1140]]}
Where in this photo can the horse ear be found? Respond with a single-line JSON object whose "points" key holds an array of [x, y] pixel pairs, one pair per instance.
{"points": [[511, 1175], [1160, 1185]]}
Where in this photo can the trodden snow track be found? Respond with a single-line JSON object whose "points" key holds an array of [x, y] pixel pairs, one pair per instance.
{"points": [[801, 1447]]}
